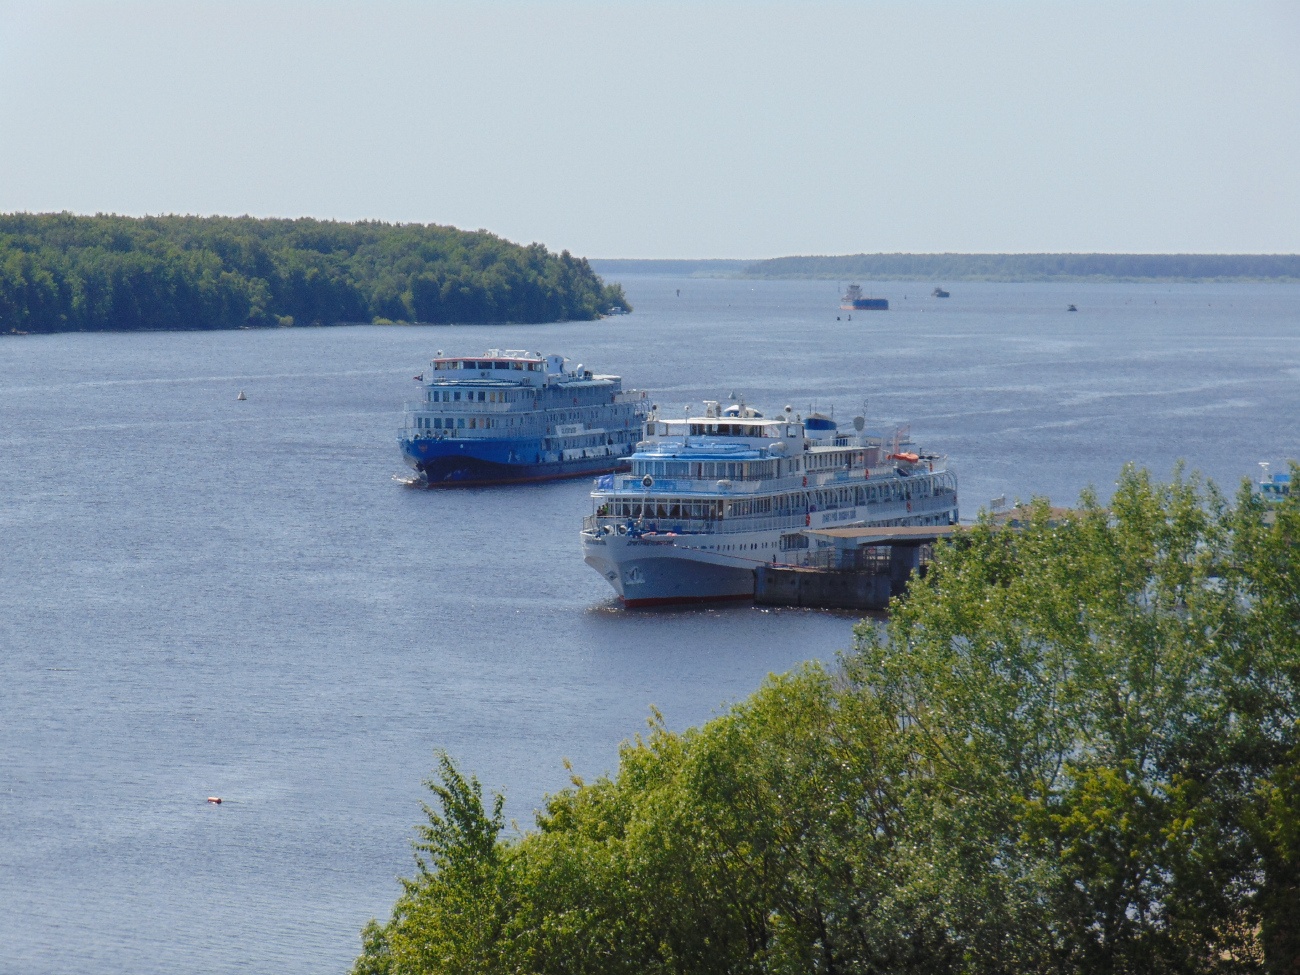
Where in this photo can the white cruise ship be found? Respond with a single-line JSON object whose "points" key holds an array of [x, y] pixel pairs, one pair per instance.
{"points": [[711, 498]]}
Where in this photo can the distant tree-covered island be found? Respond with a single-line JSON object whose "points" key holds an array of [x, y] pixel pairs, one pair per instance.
{"points": [[1034, 267], [62, 272]]}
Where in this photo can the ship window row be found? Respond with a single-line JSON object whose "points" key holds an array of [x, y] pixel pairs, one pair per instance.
{"points": [[750, 470], [484, 396], [732, 430], [836, 459], [515, 364], [463, 423], [683, 508], [662, 508]]}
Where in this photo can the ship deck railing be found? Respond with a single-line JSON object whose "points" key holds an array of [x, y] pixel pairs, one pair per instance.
{"points": [[696, 526], [464, 433], [893, 510], [519, 406], [630, 484]]}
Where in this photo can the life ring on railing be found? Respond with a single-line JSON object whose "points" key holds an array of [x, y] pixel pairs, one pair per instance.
{"points": [[909, 506], [807, 520], [805, 480]]}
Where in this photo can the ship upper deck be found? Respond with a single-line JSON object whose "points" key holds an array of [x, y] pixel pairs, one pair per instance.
{"points": [[512, 367], [754, 455]]}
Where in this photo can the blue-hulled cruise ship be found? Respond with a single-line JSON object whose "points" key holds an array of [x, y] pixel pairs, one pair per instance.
{"points": [[508, 416], [711, 498]]}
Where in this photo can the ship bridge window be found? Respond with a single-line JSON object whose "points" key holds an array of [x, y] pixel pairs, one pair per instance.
{"points": [[485, 365], [482, 397], [456, 396], [517, 365], [500, 365]]}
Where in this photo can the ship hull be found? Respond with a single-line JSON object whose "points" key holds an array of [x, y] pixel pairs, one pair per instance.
{"points": [[648, 573], [866, 304], [660, 568], [469, 463]]}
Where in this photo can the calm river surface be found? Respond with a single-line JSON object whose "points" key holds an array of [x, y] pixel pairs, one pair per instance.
{"points": [[201, 597]]}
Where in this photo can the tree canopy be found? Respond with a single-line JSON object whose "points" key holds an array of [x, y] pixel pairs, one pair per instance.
{"points": [[60, 272], [1073, 749]]}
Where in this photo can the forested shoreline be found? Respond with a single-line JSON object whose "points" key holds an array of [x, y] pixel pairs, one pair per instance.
{"points": [[1072, 749], [63, 272], [1034, 267]]}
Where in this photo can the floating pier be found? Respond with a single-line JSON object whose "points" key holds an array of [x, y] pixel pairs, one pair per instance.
{"points": [[851, 568]]}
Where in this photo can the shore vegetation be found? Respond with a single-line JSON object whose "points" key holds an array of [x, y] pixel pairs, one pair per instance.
{"points": [[1072, 749], [61, 272]]}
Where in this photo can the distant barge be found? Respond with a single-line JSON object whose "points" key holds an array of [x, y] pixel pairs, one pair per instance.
{"points": [[853, 300]]}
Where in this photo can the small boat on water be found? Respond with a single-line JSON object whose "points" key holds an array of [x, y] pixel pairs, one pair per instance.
{"points": [[939, 293], [1274, 487], [241, 397], [854, 300], [1071, 308]]}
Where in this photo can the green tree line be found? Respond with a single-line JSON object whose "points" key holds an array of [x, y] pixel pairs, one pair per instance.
{"points": [[1072, 749], [1034, 267], [61, 272]]}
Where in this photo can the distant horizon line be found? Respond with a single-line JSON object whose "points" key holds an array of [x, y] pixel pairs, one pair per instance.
{"points": [[955, 266], [780, 257]]}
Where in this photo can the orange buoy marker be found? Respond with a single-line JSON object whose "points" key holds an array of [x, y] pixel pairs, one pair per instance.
{"points": [[216, 799]]}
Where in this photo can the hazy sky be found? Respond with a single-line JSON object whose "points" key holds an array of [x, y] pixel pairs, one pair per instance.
{"points": [[641, 129]]}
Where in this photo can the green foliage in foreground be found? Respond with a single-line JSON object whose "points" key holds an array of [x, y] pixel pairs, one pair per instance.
{"points": [[1073, 750], [60, 272]]}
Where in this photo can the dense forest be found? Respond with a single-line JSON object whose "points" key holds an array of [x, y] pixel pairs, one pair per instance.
{"points": [[1034, 267], [60, 272], [1072, 749]]}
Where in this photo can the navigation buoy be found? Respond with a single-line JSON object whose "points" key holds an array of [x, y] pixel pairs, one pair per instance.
{"points": [[215, 799], [241, 396]]}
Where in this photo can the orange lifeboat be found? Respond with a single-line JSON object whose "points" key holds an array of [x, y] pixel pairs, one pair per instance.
{"points": [[910, 458]]}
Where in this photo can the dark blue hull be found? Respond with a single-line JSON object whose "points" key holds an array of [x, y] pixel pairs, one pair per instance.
{"points": [[464, 462]]}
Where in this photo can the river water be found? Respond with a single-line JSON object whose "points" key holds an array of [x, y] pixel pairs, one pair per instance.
{"points": [[200, 596]]}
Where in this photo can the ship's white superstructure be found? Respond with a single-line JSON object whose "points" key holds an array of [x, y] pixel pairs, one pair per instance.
{"points": [[711, 498]]}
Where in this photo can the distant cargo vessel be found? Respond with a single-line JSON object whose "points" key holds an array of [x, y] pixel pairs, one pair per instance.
{"points": [[509, 417], [853, 300], [939, 293]]}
